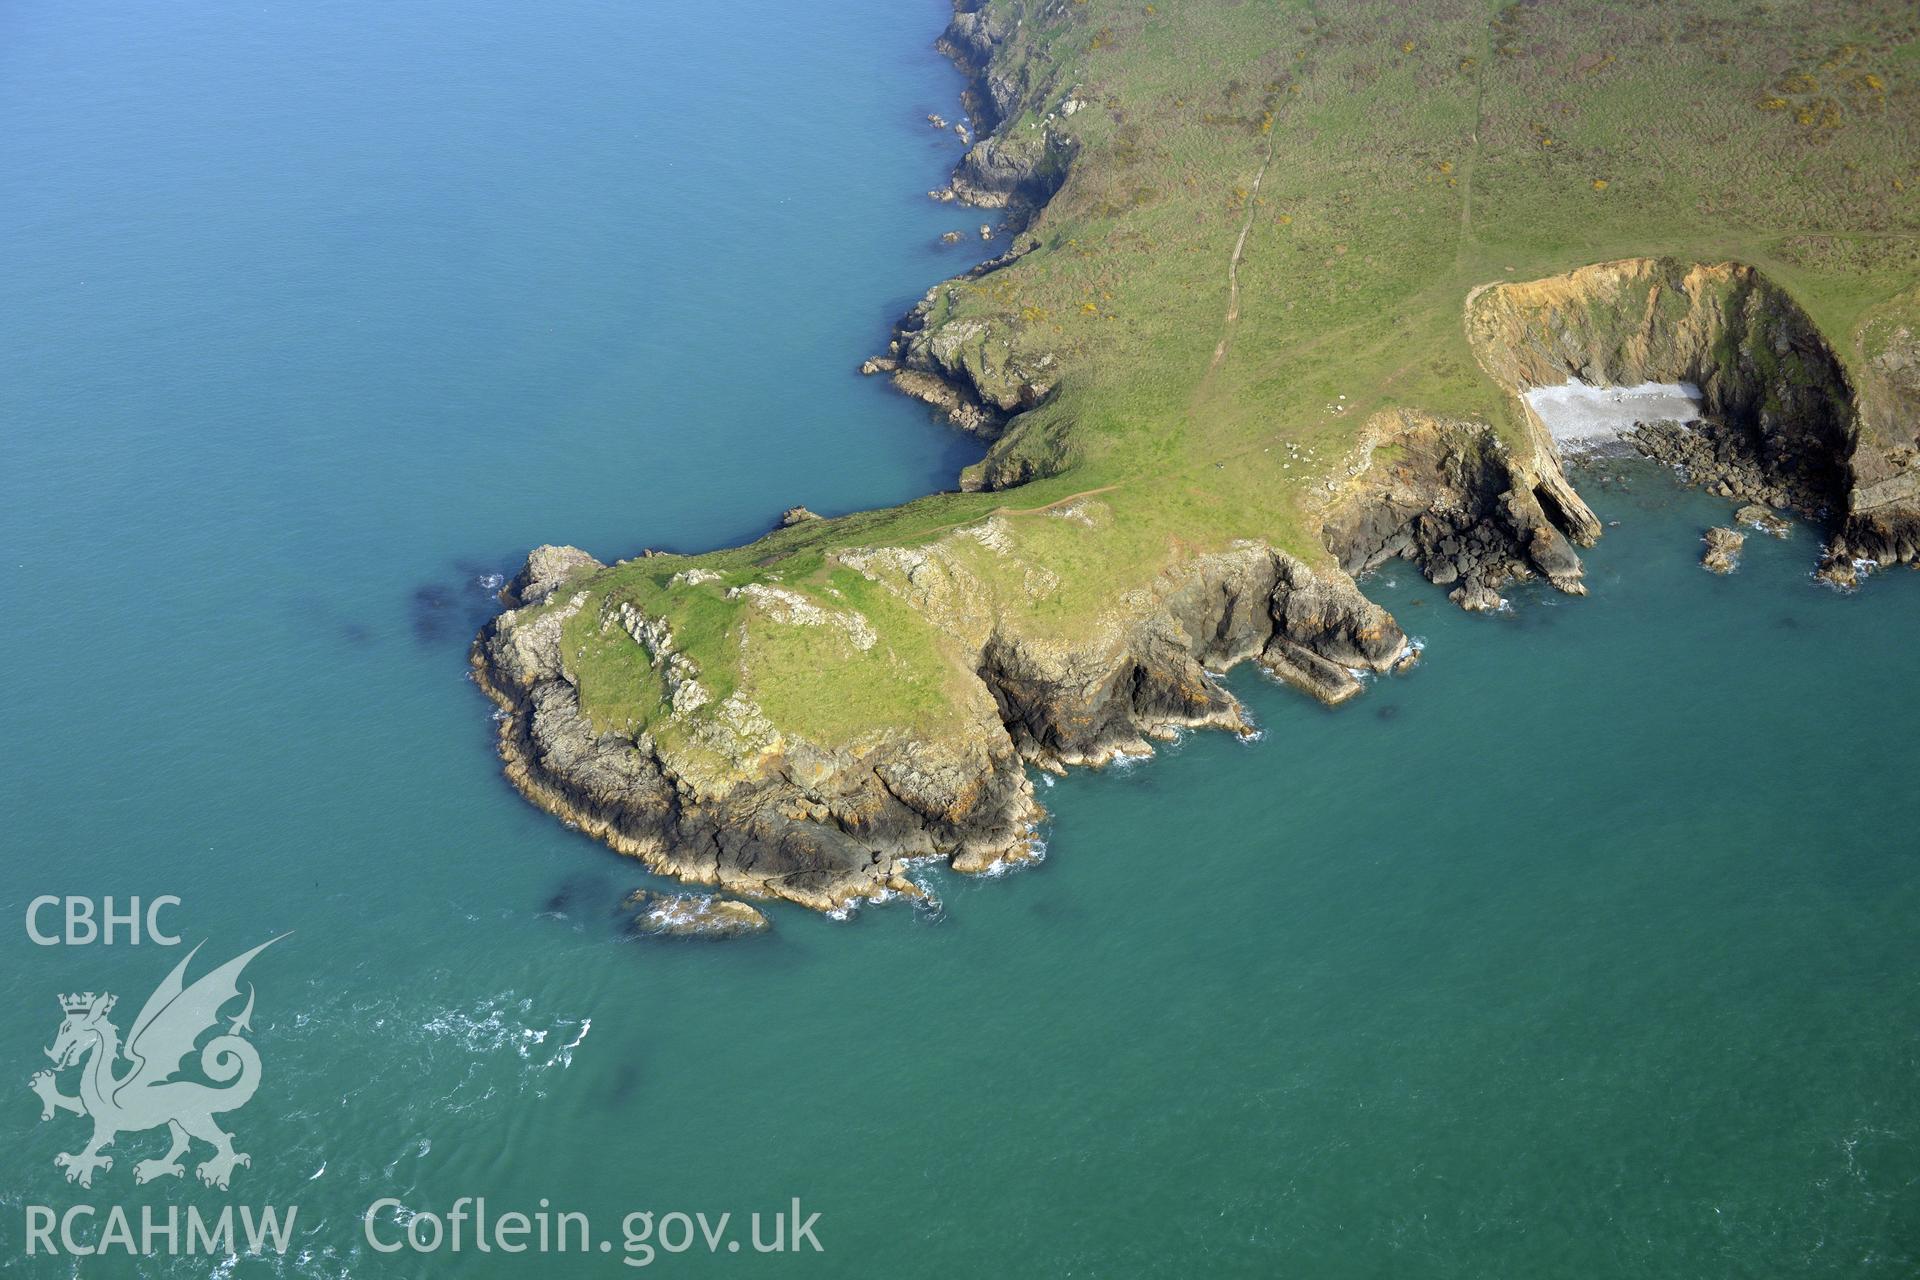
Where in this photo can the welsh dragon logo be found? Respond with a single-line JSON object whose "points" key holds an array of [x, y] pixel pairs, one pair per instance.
{"points": [[146, 1095]]}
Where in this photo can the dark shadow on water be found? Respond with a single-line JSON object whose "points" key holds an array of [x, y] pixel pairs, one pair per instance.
{"points": [[581, 892], [451, 611], [625, 1085]]}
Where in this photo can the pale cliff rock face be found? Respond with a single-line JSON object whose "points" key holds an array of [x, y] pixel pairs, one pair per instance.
{"points": [[547, 568], [1786, 423]]}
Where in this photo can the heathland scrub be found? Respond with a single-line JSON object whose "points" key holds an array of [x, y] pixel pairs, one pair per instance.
{"points": [[1285, 273]]}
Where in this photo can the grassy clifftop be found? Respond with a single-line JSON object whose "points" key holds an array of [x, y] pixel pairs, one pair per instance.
{"points": [[1270, 220]]}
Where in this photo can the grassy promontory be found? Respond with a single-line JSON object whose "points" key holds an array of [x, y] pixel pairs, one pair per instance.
{"points": [[1232, 345]]}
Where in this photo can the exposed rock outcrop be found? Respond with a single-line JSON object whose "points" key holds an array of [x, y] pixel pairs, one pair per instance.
{"points": [[973, 39], [1017, 170], [1755, 516], [1723, 550], [1459, 503], [980, 372], [1883, 503], [547, 569], [968, 369]]}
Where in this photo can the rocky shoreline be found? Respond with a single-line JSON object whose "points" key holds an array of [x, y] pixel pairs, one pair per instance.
{"points": [[764, 813]]}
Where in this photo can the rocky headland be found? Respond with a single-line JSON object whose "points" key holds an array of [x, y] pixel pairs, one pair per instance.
{"points": [[807, 718]]}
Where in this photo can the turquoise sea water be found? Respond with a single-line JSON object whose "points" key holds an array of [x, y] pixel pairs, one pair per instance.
{"points": [[1585, 950]]}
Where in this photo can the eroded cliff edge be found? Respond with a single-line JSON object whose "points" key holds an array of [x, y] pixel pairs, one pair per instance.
{"points": [[806, 717]]}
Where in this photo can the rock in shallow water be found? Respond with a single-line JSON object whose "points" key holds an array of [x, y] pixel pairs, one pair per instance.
{"points": [[1723, 550], [1755, 516], [694, 915]]}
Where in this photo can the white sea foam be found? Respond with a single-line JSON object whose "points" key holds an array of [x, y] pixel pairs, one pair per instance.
{"points": [[564, 1058], [1580, 416]]}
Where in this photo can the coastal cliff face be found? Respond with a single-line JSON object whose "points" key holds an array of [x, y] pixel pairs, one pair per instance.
{"points": [[1017, 169], [1783, 423], [1458, 502], [1883, 496], [1203, 367]]}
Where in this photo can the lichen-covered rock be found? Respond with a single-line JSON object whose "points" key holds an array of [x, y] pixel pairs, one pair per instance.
{"points": [[978, 371], [547, 569], [957, 404]]}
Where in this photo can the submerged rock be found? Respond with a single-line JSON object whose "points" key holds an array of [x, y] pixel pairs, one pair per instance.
{"points": [[694, 915], [1723, 550]]}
